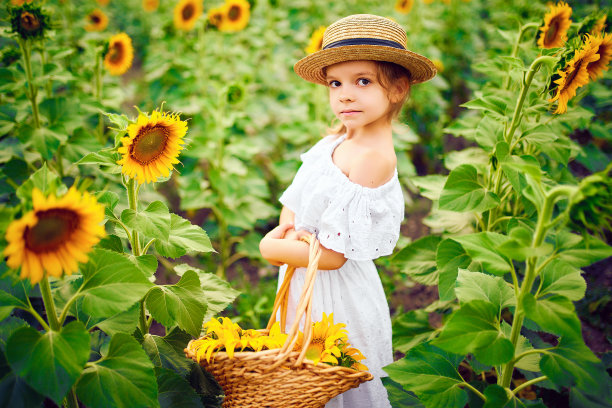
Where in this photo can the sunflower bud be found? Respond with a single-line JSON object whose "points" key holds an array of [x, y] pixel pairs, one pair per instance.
{"points": [[591, 205], [29, 21], [235, 94]]}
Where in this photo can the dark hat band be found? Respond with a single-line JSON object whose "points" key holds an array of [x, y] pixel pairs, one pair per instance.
{"points": [[364, 41]]}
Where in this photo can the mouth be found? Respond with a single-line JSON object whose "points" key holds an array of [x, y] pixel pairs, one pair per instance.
{"points": [[349, 112]]}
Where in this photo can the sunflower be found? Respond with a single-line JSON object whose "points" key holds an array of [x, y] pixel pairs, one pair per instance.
{"points": [[603, 47], [316, 40], [152, 146], [573, 76], [186, 13], [599, 26], [404, 6], [351, 357], [556, 23], [150, 5], [97, 21], [216, 15], [118, 58], [237, 14], [326, 337], [29, 21], [56, 234]]}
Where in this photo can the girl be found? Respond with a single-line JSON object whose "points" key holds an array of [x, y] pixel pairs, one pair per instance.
{"points": [[347, 190]]}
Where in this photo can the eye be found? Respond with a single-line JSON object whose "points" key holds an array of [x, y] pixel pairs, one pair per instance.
{"points": [[334, 84], [363, 81]]}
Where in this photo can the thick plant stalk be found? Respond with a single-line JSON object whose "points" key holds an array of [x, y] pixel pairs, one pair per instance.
{"points": [[45, 290], [133, 203], [26, 51]]}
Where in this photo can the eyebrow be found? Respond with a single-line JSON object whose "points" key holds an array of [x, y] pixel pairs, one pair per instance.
{"points": [[366, 73]]}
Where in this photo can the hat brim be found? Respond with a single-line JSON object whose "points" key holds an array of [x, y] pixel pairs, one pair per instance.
{"points": [[311, 67]]}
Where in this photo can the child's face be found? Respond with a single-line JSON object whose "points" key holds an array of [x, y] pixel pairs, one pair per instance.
{"points": [[356, 96]]}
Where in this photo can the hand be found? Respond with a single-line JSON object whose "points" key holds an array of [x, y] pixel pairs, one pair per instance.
{"points": [[296, 235], [280, 231]]}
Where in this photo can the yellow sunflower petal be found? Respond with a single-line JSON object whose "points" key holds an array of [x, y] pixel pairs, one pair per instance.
{"points": [[556, 24]]}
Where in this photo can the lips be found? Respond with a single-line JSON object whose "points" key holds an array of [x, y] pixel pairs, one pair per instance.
{"points": [[349, 112]]}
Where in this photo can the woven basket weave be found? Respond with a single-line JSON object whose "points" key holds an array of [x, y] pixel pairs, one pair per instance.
{"points": [[282, 378]]}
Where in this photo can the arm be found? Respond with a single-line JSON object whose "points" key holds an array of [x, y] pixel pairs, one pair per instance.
{"points": [[280, 251], [286, 216]]}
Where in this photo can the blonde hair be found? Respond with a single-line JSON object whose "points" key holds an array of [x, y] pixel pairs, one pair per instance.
{"points": [[387, 73]]}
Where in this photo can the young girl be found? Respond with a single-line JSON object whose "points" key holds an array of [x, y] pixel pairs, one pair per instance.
{"points": [[347, 190]]}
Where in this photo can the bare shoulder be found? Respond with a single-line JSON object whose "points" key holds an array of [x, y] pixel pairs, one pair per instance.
{"points": [[372, 168]]}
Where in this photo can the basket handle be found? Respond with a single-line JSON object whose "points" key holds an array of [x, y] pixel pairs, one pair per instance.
{"points": [[304, 306]]}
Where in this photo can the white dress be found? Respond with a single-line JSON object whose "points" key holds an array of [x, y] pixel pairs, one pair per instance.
{"points": [[362, 223]]}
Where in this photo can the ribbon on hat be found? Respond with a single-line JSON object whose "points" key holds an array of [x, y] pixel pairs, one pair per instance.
{"points": [[364, 41]]}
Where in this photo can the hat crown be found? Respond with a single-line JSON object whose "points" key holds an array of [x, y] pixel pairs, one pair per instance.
{"points": [[365, 26]]}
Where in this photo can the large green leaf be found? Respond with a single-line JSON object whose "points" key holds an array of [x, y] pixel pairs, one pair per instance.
{"points": [[122, 322], [153, 221], [561, 278], [13, 294], [462, 192], [183, 304], [555, 314], [43, 179], [573, 364], [184, 237], [430, 186], [426, 370], [217, 291], [474, 328], [519, 246], [411, 329], [163, 354], [123, 378], [15, 392], [530, 362], [586, 252], [418, 259], [482, 248], [476, 285], [449, 258], [52, 362], [496, 396], [111, 284], [174, 391], [453, 397], [398, 397]]}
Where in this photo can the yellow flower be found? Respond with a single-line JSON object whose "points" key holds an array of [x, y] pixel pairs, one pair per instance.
{"points": [[97, 21], [152, 146], [55, 235], [428, 1], [351, 357], [573, 76], [186, 13], [602, 46], [599, 26], [150, 5], [316, 40], [556, 23], [404, 6], [216, 15], [326, 336], [237, 14], [118, 58]]}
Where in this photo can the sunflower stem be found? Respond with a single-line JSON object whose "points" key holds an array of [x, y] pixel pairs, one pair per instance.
{"points": [[144, 329], [133, 203], [98, 94], [522, 30], [45, 290], [48, 84], [32, 93], [71, 400]]}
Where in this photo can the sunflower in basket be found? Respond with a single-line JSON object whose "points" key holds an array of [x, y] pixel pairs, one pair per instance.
{"points": [[326, 336]]}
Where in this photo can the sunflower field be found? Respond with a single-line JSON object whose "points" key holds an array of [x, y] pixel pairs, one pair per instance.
{"points": [[144, 145]]}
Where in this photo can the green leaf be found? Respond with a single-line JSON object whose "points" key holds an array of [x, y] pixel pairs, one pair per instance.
{"points": [[163, 354], [217, 291], [111, 284], [15, 392], [42, 179], [476, 156], [110, 200], [561, 278], [398, 397], [184, 237], [146, 263], [476, 285], [122, 322], [474, 328], [462, 192], [555, 314], [183, 304], [418, 260], [52, 362], [451, 398], [519, 247], [120, 121], [123, 378], [174, 391], [8, 326], [111, 242], [588, 251], [530, 362], [573, 364], [426, 369], [13, 294], [482, 248], [411, 329], [105, 158], [430, 186], [153, 222], [450, 257], [496, 396]]}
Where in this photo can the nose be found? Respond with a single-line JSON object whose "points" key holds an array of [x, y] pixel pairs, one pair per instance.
{"points": [[346, 97]]}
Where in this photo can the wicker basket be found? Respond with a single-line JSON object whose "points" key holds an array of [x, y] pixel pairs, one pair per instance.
{"points": [[282, 378]]}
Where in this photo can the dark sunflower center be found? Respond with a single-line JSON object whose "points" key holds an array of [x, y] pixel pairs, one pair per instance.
{"points": [[52, 229], [150, 143], [551, 34], [570, 77], [95, 18], [29, 22], [404, 4], [188, 11], [215, 18], [234, 13], [116, 52]]}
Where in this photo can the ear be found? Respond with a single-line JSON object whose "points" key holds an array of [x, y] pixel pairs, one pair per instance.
{"points": [[399, 89]]}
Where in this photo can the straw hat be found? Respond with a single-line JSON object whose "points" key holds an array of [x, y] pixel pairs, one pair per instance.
{"points": [[364, 37]]}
